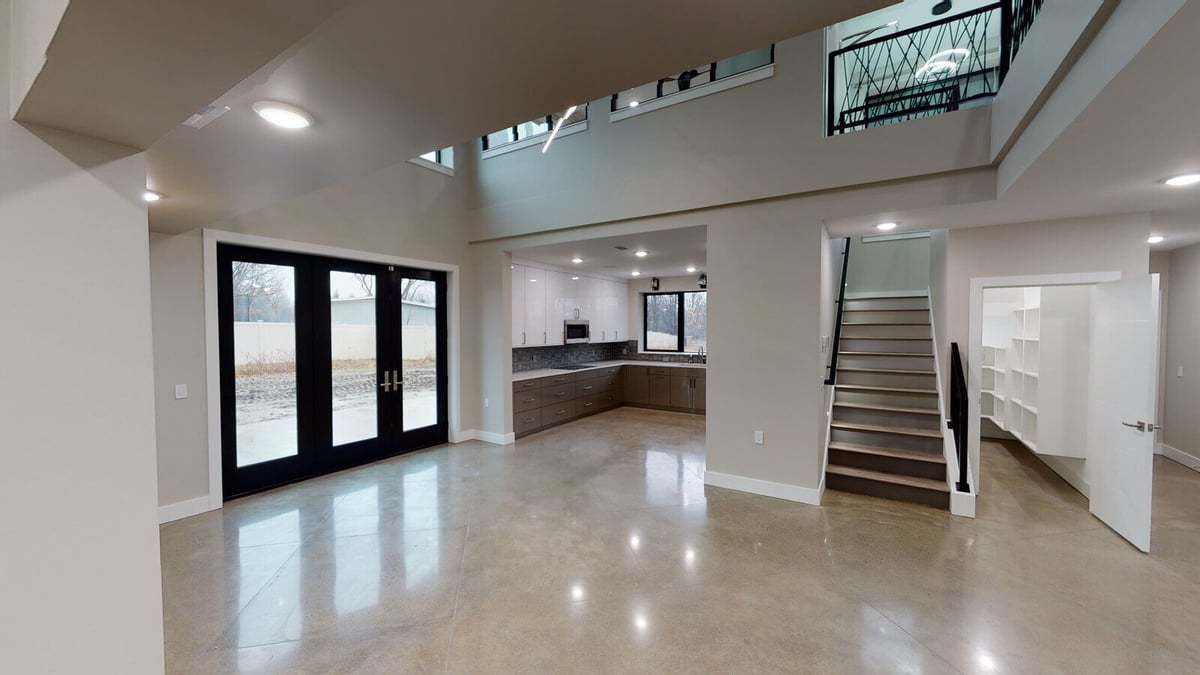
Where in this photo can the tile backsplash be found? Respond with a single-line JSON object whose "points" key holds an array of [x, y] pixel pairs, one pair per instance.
{"points": [[533, 358]]}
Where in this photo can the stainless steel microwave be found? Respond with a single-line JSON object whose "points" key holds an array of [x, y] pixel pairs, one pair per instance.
{"points": [[575, 332]]}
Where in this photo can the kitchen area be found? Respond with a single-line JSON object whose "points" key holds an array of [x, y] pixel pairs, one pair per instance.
{"points": [[604, 323]]}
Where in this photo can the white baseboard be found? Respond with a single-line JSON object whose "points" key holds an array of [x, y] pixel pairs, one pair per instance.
{"points": [[184, 509], [1068, 473], [794, 493], [487, 437], [887, 294], [463, 436], [1187, 459]]}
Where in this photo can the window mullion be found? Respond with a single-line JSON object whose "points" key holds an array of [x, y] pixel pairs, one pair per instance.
{"points": [[679, 304]]}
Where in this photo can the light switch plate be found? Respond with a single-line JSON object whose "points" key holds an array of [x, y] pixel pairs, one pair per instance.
{"points": [[181, 391], [758, 438], [1179, 373]]}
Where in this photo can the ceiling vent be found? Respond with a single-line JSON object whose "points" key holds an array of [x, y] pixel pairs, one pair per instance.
{"points": [[621, 248], [206, 116]]}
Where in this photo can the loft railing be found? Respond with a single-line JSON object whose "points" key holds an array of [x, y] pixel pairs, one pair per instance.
{"points": [[831, 376], [959, 400], [928, 70], [694, 77]]}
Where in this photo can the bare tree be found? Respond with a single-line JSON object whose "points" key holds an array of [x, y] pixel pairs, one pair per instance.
{"points": [[367, 282], [254, 282]]}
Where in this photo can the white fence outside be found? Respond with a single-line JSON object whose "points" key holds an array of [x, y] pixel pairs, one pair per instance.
{"points": [[261, 341]]}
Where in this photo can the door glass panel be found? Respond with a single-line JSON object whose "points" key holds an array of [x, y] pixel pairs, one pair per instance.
{"points": [[695, 321], [353, 356], [418, 319], [662, 322], [264, 344]]}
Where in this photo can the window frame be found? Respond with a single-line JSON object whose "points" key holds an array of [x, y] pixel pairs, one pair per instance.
{"points": [[681, 338], [518, 142]]}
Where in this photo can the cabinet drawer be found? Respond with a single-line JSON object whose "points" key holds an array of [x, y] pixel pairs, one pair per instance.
{"points": [[613, 382], [611, 398], [585, 375], [587, 388], [658, 370], [560, 392], [687, 372], [588, 404], [560, 412], [610, 372], [555, 380], [526, 385], [529, 420], [527, 400]]}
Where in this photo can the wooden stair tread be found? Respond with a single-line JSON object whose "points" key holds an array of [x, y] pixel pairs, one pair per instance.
{"points": [[889, 371], [893, 478], [892, 309], [886, 408], [887, 297], [898, 453], [917, 354], [888, 390], [887, 337], [876, 428], [883, 323]]}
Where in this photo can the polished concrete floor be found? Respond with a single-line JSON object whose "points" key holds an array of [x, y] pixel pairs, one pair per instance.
{"points": [[596, 547]]}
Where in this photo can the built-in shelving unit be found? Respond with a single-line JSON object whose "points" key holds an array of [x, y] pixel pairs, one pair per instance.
{"points": [[1029, 355]]}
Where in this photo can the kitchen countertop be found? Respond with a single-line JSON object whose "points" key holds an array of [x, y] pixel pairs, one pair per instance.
{"points": [[547, 372]]}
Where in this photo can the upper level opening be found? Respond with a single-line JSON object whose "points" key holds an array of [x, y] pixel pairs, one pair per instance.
{"points": [[918, 59]]}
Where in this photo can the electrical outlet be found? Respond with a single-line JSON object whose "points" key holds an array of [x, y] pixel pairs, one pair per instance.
{"points": [[1179, 373], [485, 403], [181, 391], [758, 438]]}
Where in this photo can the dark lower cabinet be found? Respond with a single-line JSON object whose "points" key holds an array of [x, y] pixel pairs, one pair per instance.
{"points": [[660, 390], [637, 385]]}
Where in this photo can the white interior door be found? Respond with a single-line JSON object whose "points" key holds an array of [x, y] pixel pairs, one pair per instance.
{"points": [[1122, 398]]}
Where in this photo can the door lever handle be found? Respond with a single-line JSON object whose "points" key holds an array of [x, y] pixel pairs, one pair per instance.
{"points": [[387, 382], [1140, 426]]}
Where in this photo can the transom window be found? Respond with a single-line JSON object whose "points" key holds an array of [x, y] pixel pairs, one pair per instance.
{"points": [[675, 322], [445, 157], [532, 128]]}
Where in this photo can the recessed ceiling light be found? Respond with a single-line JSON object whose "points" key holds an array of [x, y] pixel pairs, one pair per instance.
{"points": [[691, 268], [151, 196], [1184, 180], [283, 115], [574, 278], [633, 104], [642, 254], [637, 274], [886, 226], [1155, 239], [576, 260]]}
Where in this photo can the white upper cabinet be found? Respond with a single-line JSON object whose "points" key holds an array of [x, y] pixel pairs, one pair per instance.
{"points": [[519, 334], [542, 299]]}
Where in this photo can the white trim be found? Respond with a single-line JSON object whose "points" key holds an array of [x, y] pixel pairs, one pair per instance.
{"points": [[212, 237], [568, 130], [495, 437], [694, 92], [860, 295], [184, 509], [795, 493], [1185, 458], [961, 503], [432, 166], [880, 238], [975, 343], [1074, 478]]}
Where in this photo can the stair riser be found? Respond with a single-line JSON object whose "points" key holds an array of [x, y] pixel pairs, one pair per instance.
{"points": [[918, 443], [887, 380], [886, 331], [905, 493], [901, 315], [886, 418], [894, 465], [879, 345], [887, 398], [889, 303], [886, 362]]}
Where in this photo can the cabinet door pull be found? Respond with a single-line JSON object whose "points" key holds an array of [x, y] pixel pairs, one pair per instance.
{"points": [[561, 412], [529, 400], [588, 388], [529, 421], [561, 393], [588, 405]]}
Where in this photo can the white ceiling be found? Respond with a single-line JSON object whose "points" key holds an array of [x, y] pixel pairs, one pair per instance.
{"points": [[1113, 158], [670, 254], [386, 81]]}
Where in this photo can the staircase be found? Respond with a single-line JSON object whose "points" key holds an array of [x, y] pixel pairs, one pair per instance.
{"points": [[885, 434]]}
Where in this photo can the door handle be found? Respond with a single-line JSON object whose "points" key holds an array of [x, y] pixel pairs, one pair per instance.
{"points": [[1140, 426], [522, 337], [387, 382], [396, 381]]}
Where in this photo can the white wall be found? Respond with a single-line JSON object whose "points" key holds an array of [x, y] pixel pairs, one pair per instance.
{"points": [[38, 21], [895, 265], [404, 210], [764, 139], [80, 577], [1181, 425]]}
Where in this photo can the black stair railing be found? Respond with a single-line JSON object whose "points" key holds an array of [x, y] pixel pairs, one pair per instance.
{"points": [[931, 69], [831, 376], [959, 400]]}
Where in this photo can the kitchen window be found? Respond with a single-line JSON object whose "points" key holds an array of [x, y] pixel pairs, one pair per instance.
{"points": [[675, 322]]}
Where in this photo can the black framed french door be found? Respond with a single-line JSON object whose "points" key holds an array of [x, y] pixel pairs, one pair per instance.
{"points": [[325, 364]]}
